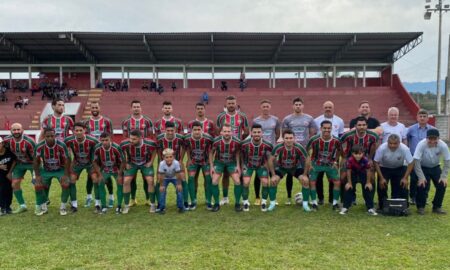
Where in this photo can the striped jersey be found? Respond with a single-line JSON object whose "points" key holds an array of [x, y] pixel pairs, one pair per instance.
{"points": [[255, 156], [324, 153], [160, 125], [176, 144], [95, 127], [62, 125], [207, 126], [54, 157], [138, 155], [351, 138], [238, 122], [226, 152], [144, 124], [23, 149], [110, 159], [82, 151], [292, 158], [198, 149]]}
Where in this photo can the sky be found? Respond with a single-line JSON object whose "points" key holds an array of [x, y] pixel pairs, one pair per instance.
{"points": [[419, 65]]}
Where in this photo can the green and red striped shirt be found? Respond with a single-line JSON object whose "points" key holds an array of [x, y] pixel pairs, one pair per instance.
{"points": [[23, 149], [160, 125], [226, 151], [253, 155], [351, 138], [62, 125], [207, 126], [176, 144], [110, 159], [82, 151], [292, 158], [144, 124], [95, 127], [199, 148], [138, 155], [54, 157], [238, 122], [324, 153]]}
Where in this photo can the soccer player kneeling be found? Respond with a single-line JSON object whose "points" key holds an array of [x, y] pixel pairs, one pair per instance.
{"points": [[169, 171]]}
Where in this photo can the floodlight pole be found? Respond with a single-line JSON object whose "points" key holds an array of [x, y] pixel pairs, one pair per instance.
{"points": [[447, 86]]}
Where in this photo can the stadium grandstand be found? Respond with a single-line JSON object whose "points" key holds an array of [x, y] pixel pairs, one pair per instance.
{"points": [[79, 60]]}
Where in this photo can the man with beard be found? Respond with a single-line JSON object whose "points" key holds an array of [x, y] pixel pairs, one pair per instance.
{"points": [[61, 124], [239, 129], [372, 123], [160, 125], [96, 124], [142, 123], [22, 146]]}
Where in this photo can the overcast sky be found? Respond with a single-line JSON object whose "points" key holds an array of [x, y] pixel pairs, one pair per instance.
{"points": [[241, 16]]}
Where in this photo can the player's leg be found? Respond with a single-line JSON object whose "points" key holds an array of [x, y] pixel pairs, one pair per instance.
{"points": [[110, 187], [397, 190], [151, 192], [367, 193], [306, 190], [218, 172], [99, 182], [265, 191], [225, 188], [257, 188], [89, 188], [382, 191], [289, 185], [193, 173], [247, 176], [133, 189], [129, 177], [413, 187], [435, 175], [65, 190], [237, 186], [333, 178], [319, 187], [208, 185], [41, 194], [119, 188], [348, 193], [17, 177], [74, 176]]}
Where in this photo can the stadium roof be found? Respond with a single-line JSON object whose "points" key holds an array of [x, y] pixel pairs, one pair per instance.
{"points": [[204, 48]]}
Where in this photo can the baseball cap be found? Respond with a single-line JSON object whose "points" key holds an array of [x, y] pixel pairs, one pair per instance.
{"points": [[433, 133]]}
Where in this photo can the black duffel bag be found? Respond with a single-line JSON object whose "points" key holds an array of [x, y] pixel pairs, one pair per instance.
{"points": [[395, 207]]}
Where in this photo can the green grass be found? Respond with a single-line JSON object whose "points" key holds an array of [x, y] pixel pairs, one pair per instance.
{"points": [[285, 239]]}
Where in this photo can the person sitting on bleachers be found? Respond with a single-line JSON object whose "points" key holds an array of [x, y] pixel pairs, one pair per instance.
{"points": [[223, 86], [153, 86], [118, 85], [144, 86], [174, 86], [125, 86], [160, 89], [19, 103], [3, 94], [25, 101], [112, 86], [205, 98]]}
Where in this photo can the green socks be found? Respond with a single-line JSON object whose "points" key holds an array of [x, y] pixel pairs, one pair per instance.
{"points": [[119, 195], [305, 193], [126, 197], [73, 191], [245, 191], [313, 194], [208, 193], [237, 193], [133, 188], [336, 194], [185, 191], [215, 193], [273, 193], [191, 186]]}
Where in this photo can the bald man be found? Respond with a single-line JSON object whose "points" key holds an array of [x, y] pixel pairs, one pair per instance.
{"points": [[337, 130], [22, 146]]}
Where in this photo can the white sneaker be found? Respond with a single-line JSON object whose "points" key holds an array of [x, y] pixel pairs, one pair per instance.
{"points": [[63, 211], [44, 208], [246, 206], [126, 209], [372, 212], [152, 208], [38, 211], [343, 211], [288, 201], [224, 201], [271, 206]]}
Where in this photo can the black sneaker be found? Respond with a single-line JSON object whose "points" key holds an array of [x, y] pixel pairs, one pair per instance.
{"points": [[118, 210], [181, 210], [237, 207], [98, 209], [246, 207], [192, 206], [8, 211], [209, 207], [412, 201], [216, 208], [74, 209], [439, 211], [47, 202], [314, 207], [263, 207], [421, 211], [186, 205], [320, 202], [335, 207], [161, 211]]}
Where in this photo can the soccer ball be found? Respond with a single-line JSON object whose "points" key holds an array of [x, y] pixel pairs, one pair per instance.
{"points": [[298, 198]]}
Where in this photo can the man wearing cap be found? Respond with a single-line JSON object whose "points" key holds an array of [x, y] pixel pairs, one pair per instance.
{"points": [[415, 134], [426, 157]]}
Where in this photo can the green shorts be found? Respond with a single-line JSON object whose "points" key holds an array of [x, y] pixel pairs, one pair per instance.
{"points": [[77, 170], [219, 167], [20, 169], [108, 176], [332, 173], [261, 172], [47, 176], [196, 167], [145, 171]]}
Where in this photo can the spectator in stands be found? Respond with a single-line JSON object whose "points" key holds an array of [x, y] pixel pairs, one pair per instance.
{"points": [[118, 85], [223, 86], [174, 86], [242, 85], [34, 89], [25, 101], [145, 85], [3, 94], [153, 86], [205, 98], [160, 88], [125, 86], [19, 103]]}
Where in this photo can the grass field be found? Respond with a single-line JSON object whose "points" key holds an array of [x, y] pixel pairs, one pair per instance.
{"points": [[285, 239]]}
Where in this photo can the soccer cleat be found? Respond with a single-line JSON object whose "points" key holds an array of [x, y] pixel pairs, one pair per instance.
{"points": [[21, 209], [246, 207], [126, 209], [133, 202], [161, 211], [44, 208], [237, 207], [439, 211], [288, 201], [48, 202], [88, 202], [63, 211], [209, 207], [272, 205], [192, 206], [257, 201], [306, 208], [372, 212], [421, 211], [186, 205], [73, 209], [118, 210], [335, 207], [104, 211], [321, 202], [8, 210], [110, 203], [343, 211], [37, 211], [263, 207], [98, 209], [314, 207], [216, 208], [152, 208], [224, 201]]}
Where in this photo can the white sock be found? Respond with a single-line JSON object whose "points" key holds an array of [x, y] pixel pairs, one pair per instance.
{"points": [[23, 206], [263, 201], [63, 206], [273, 202], [89, 196], [246, 202], [75, 204], [335, 202], [305, 204], [111, 197], [314, 202], [97, 202]]}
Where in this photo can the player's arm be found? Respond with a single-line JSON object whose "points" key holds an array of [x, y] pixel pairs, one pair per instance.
{"points": [[270, 165], [238, 162], [307, 166], [212, 154], [67, 163], [349, 185], [152, 159]]}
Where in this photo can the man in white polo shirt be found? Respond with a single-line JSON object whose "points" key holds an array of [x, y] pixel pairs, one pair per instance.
{"points": [[426, 157], [393, 126], [390, 159]]}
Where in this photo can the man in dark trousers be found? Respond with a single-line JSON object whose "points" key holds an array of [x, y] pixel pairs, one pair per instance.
{"points": [[7, 162]]}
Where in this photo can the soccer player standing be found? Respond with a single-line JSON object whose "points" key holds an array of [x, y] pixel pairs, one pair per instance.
{"points": [[22, 146], [160, 125], [208, 126], [61, 124]]}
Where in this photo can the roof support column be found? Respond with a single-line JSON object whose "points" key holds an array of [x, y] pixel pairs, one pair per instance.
{"points": [[355, 83], [364, 76], [334, 76], [274, 84], [185, 83], [298, 79], [122, 70], [213, 85], [327, 83], [29, 77], [92, 76], [270, 78], [60, 76], [10, 80], [304, 76], [157, 78], [128, 79], [153, 73]]}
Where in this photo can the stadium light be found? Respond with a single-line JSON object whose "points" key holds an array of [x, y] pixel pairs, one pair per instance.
{"points": [[439, 8]]}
